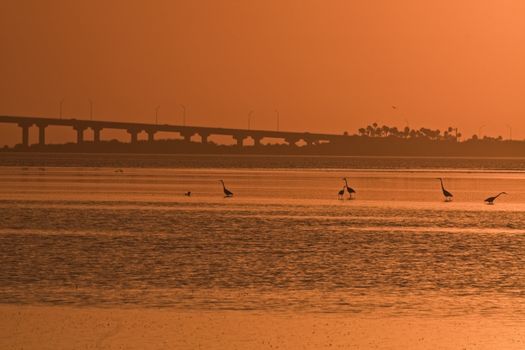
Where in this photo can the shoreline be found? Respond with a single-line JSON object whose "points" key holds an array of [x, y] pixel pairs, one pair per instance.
{"points": [[350, 145], [239, 161]]}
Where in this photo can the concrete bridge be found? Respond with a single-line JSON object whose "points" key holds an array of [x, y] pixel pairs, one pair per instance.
{"points": [[187, 132]]}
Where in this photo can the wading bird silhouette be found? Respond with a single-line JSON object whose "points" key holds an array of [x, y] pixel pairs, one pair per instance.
{"points": [[341, 193], [350, 190], [491, 200], [227, 193], [447, 194]]}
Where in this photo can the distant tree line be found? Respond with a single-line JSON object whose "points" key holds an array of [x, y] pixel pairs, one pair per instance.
{"points": [[374, 130], [486, 138]]}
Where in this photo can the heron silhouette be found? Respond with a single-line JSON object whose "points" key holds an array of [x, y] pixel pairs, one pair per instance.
{"points": [[341, 193], [227, 193], [447, 194], [491, 200], [350, 190]]}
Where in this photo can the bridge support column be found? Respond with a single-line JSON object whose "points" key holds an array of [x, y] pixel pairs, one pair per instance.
{"points": [[187, 136], [80, 134], [25, 134], [134, 135], [96, 135], [240, 139], [42, 135], [204, 138], [291, 141], [310, 142], [151, 136], [256, 141]]}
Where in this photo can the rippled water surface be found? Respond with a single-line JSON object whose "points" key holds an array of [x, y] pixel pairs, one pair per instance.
{"points": [[74, 232]]}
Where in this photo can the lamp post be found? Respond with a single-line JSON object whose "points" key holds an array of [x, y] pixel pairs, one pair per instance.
{"points": [[60, 107], [183, 115], [157, 115], [278, 116], [250, 119], [90, 109], [510, 131], [479, 130]]}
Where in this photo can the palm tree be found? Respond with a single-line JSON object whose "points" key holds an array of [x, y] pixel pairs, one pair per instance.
{"points": [[377, 130], [384, 130], [394, 131], [370, 130], [406, 132]]}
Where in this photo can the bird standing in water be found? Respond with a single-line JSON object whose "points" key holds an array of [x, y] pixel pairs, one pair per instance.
{"points": [[447, 194], [491, 200], [350, 190], [341, 193], [227, 193]]}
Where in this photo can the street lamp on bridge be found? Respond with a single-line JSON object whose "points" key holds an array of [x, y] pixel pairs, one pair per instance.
{"points": [[510, 131], [250, 119], [183, 115], [60, 107], [157, 115]]}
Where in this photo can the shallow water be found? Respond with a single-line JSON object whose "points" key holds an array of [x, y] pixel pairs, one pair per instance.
{"points": [[88, 235], [257, 161]]}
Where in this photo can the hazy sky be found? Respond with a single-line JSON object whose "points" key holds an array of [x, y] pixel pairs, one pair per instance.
{"points": [[326, 65]]}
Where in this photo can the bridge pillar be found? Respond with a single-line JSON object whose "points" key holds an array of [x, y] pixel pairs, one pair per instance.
{"points": [[134, 135], [240, 139], [96, 135], [310, 142], [25, 134], [187, 136], [80, 134], [291, 141], [151, 136], [204, 138], [42, 135], [256, 140]]}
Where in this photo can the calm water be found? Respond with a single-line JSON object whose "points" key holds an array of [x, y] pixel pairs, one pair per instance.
{"points": [[73, 231]]}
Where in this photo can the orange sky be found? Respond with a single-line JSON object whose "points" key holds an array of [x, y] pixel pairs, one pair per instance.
{"points": [[326, 65]]}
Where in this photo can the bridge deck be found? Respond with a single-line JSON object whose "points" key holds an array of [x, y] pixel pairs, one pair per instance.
{"points": [[187, 131]]}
